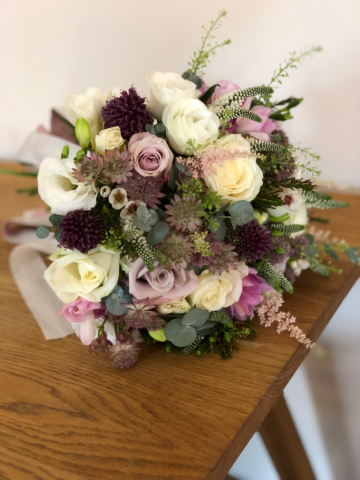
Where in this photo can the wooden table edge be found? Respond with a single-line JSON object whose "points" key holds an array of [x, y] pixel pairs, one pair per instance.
{"points": [[254, 421]]}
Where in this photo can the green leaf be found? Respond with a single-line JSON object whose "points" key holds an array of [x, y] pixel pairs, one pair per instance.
{"points": [[178, 334], [140, 224], [241, 213], [150, 128], [173, 176], [192, 78], [65, 152], [310, 238], [21, 174], [221, 230], [207, 328], [331, 252], [277, 116], [83, 132], [180, 167], [160, 128], [353, 254], [158, 233], [208, 94], [43, 232], [195, 317], [55, 219], [58, 234]]}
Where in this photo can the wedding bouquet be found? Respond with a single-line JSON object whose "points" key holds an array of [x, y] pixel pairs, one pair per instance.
{"points": [[181, 216]]}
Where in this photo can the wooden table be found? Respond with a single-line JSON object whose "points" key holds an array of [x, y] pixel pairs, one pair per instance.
{"points": [[66, 414]]}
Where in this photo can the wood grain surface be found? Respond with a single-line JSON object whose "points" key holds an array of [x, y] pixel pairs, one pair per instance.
{"points": [[66, 414]]}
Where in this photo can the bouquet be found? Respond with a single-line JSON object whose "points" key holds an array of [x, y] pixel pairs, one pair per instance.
{"points": [[182, 216]]}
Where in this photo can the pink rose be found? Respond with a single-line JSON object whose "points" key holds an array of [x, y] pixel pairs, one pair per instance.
{"points": [[262, 130], [150, 154], [225, 87], [162, 284], [83, 312]]}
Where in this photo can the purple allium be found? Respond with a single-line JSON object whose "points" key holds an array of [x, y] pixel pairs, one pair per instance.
{"points": [[117, 166], [146, 189], [100, 344], [177, 248], [251, 241], [184, 213], [280, 258], [89, 169], [81, 230], [288, 170], [289, 274], [125, 353], [140, 315], [298, 245], [128, 112]]}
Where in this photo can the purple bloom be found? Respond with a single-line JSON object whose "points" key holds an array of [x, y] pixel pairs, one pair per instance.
{"points": [[100, 344], [81, 230], [253, 287], [262, 130], [251, 241], [140, 315], [145, 189], [125, 352], [89, 169]]}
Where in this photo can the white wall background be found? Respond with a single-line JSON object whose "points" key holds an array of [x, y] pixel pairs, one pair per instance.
{"points": [[50, 48]]}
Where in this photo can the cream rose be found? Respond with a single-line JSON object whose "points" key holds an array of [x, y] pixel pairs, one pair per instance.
{"points": [[189, 119], [181, 306], [216, 291], [238, 179], [166, 88], [88, 106], [59, 188], [73, 274], [108, 139]]}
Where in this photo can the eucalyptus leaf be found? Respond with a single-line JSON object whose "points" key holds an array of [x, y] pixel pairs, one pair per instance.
{"points": [[55, 219], [241, 213], [153, 217], [162, 215], [353, 254], [142, 212], [150, 128], [180, 167], [114, 306], [192, 78], [195, 317], [140, 224], [173, 176], [208, 94], [160, 128], [42, 232], [207, 328], [178, 334], [195, 268], [158, 233], [220, 232], [58, 234]]}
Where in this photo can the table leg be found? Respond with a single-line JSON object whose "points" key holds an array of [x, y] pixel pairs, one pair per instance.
{"points": [[284, 445]]}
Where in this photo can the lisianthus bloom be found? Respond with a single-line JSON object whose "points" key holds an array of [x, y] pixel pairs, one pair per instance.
{"points": [[225, 87], [81, 311], [253, 287], [150, 154], [262, 130], [161, 285]]}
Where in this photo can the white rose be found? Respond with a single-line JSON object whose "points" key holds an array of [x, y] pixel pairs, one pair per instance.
{"points": [[88, 106], [108, 139], [216, 291], [60, 189], [166, 88], [296, 218], [93, 276], [238, 179], [189, 119], [181, 306]]}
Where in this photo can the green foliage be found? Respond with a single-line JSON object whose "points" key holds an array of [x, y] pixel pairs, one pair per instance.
{"points": [[208, 94], [158, 233], [322, 201], [191, 187], [114, 302], [232, 113], [201, 58], [317, 266], [353, 254], [241, 213], [286, 229], [259, 146], [43, 232], [274, 278], [190, 348], [30, 191], [21, 174], [65, 152]]}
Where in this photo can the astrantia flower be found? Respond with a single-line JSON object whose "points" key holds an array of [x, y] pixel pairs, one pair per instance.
{"points": [[128, 111], [146, 189], [224, 257], [100, 344], [251, 241], [140, 315], [177, 248], [125, 352], [89, 169], [81, 230], [117, 166], [184, 213]]}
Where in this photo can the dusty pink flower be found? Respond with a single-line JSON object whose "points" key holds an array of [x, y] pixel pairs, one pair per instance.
{"points": [[262, 130], [117, 166], [82, 313], [89, 169], [184, 213], [150, 154], [225, 87], [253, 287], [125, 352], [162, 284], [140, 314]]}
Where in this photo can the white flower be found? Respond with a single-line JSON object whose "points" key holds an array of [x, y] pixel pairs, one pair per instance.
{"points": [[216, 291], [181, 306], [118, 198], [105, 191], [296, 218], [88, 106], [189, 119], [166, 88], [292, 199], [130, 209], [60, 189], [87, 330], [108, 139], [73, 274], [299, 265], [238, 179]]}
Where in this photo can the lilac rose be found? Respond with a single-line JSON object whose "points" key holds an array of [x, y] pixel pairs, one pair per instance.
{"points": [[225, 87], [150, 154], [262, 130], [162, 284]]}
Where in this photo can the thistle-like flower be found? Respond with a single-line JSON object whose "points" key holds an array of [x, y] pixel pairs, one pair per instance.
{"points": [[100, 344], [184, 213], [251, 241], [177, 247], [81, 230], [140, 315], [224, 257], [89, 169], [146, 189], [117, 166], [125, 352]]}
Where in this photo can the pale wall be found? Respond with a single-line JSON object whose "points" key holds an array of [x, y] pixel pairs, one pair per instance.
{"points": [[51, 48]]}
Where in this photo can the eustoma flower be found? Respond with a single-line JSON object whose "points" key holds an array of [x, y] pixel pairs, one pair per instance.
{"points": [[258, 130], [82, 311]]}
